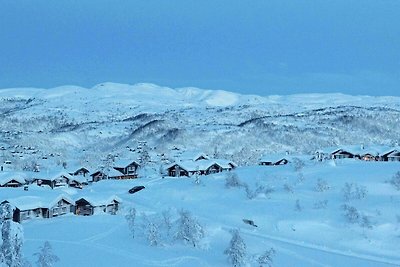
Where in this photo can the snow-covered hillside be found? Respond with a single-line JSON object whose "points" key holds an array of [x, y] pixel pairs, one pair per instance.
{"points": [[341, 212], [302, 213], [87, 124]]}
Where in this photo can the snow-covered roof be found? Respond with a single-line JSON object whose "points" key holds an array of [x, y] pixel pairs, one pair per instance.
{"points": [[359, 149], [123, 163], [96, 200], [391, 151], [224, 163], [201, 165], [6, 177], [34, 202], [51, 175], [274, 158], [113, 173], [80, 179], [192, 155]]}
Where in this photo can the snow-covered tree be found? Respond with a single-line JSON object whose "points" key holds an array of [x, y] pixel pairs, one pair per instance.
{"points": [[45, 256], [237, 250], [130, 218], [232, 180], [11, 248], [266, 258], [354, 191], [151, 231], [166, 215], [395, 181], [189, 229]]}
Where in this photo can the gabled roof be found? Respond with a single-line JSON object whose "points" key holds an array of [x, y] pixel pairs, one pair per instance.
{"points": [[391, 151], [80, 179], [114, 173], [98, 172], [34, 202], [6, 177], [79, 169], [123, 163], [96, 200], [200, 165], [51, 175], [192, 155], [274, 158]]}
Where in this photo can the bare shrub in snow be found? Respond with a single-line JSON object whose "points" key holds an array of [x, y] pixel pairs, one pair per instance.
{"points": [[297, 206], [351, 213], [237, 250], [354, 191], [288, 188], [365, 222], [322, 204], [266, 259], [259, 190], [130, 219], [232, 180], [298, 164], [189, 229], [322, 186], [395, 181], [46, 257]]}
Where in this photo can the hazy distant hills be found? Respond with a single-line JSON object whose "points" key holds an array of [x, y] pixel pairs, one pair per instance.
{"points": [[77, 122]]}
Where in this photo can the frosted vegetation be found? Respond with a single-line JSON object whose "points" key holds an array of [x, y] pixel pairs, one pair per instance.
{"points": [[305, 213]]}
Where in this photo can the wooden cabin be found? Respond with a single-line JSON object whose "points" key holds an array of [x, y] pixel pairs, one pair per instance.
{"points": [[53, 180], [12, 179], [98, 176], [201, 167], [30, 207], [88, 206], [392, 155], [341, 154], [81, 172], [127, 168]]}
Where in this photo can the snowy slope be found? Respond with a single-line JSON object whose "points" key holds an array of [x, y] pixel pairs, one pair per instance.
{"points": [[310, 236]]}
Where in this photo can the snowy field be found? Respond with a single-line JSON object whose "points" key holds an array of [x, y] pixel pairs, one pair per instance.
{"points": [[300, 216]]}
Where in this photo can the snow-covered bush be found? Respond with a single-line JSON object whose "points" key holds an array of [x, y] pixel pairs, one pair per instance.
{"points": [[189, 229], [298, 164], [151, 231], [322, 204], [395, 181], [365, 222], [322, 186], [267, 258], [260, 189], [45, 256], [166, 217], [288, 188], [354, 191], [130, 219], [237, 250], [232, 180], [351, 213]]}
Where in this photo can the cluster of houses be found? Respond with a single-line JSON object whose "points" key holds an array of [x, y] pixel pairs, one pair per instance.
{"points": [[78, 178], [352, 152], [47, 206], [197, 163]]}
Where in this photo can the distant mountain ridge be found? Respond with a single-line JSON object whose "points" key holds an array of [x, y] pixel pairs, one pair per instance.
{"points": [[72, 121]]}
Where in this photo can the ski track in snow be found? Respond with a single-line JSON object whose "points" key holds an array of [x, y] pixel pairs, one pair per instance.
{"points": [[319, 248]]}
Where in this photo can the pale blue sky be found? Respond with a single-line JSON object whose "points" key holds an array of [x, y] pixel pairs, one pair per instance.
{"points": [[259, 46]]}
